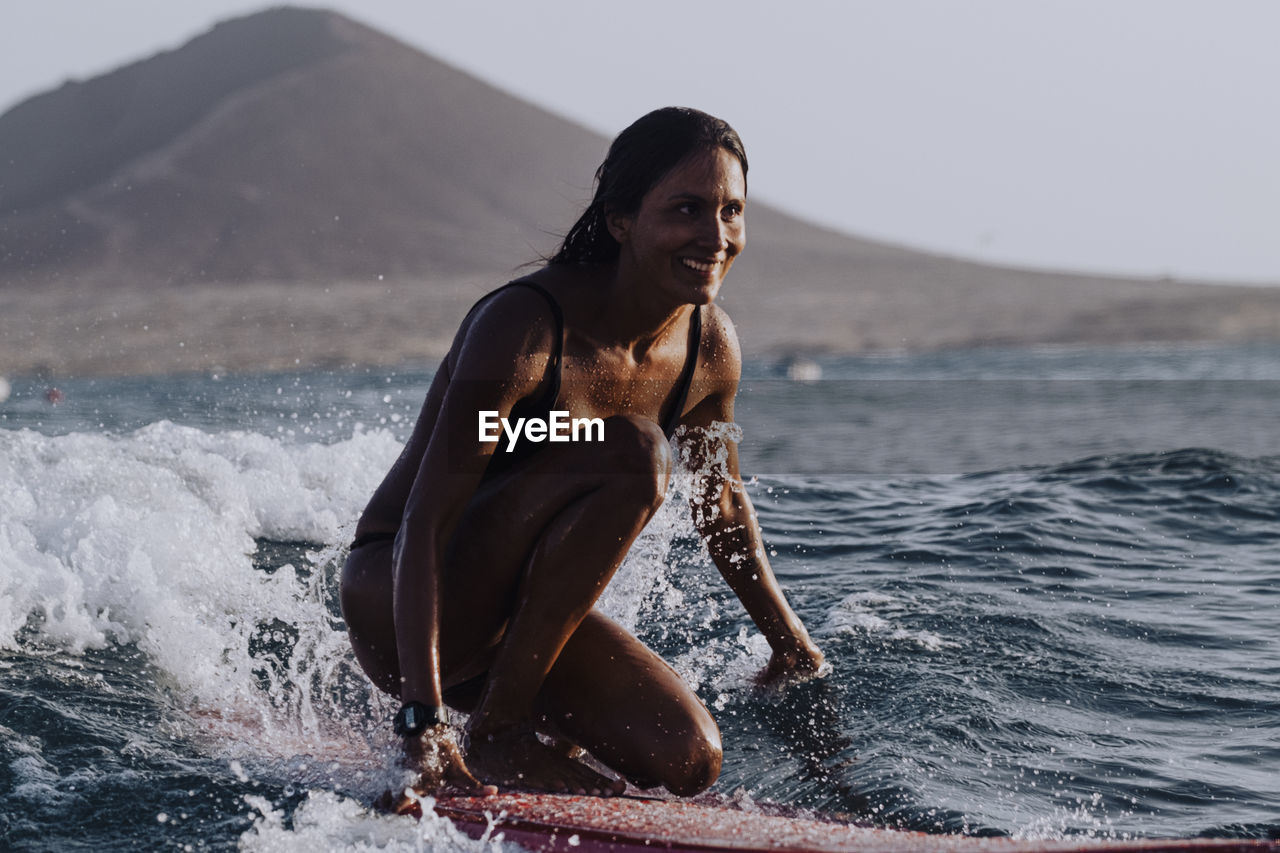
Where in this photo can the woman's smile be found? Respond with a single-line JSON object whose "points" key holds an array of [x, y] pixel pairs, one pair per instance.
{"points": [[702, 266]]}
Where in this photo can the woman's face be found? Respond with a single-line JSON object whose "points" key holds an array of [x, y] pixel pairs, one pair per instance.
{"points": [[689, 228]]}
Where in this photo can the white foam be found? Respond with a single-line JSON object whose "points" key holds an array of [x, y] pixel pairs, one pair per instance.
{"points": [[645, 582], [148, 539], [645, 576], [726, 665], [871, 614], [327, 821]]}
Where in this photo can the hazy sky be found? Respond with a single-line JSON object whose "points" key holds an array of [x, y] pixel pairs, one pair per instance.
{"points": [[1136, 136]]}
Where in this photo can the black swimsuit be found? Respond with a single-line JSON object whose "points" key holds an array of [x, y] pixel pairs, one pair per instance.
{"points": [[542, 405]]}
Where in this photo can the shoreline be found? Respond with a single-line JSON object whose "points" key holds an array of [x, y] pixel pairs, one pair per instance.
{"points": [[57, 333]]}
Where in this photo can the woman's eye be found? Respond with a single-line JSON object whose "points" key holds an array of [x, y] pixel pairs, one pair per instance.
{"points": [[733, 211]]}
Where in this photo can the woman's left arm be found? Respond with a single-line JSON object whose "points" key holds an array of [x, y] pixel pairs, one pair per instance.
{"points": [[726, 519]]}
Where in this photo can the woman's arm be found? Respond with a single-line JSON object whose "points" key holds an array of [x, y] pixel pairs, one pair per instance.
{"points": [[727, 522], [498, 358], [726, 519]]}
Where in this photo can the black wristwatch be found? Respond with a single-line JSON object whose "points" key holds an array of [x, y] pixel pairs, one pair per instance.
{"points": [[414, 718]]}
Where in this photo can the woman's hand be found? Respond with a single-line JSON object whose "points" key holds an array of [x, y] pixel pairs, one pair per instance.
{"points": [[794, 664], [435, 756]]}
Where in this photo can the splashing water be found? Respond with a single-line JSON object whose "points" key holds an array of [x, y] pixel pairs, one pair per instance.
{"points": [[1083, 645]]}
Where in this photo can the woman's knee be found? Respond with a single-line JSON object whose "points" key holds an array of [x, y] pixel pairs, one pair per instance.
{"points": [[637, 446], [684, 746], [699, 764]]}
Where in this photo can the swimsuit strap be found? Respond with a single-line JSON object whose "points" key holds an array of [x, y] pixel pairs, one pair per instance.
{"points": [[553, 366], [686, 376]]}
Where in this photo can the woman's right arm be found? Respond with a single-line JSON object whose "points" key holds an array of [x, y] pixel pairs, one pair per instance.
{"points": [[726, 519], [499, 357]]}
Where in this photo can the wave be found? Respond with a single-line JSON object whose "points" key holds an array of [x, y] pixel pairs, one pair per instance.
{"points": [[1036, 650]]}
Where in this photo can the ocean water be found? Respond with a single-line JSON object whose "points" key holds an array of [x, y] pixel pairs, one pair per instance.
{"points": [[1048, 583]]}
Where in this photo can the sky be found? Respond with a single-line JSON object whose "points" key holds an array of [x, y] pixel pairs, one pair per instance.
{"points": [[1137, 137]]}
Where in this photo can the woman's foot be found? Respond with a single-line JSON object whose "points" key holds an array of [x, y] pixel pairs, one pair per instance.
{"points": [[517, 759]]}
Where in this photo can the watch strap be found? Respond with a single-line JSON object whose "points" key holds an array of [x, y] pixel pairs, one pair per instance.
{"points": [[414, 718]]}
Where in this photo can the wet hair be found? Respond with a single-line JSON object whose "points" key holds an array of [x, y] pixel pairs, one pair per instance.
{"points": [[638, 159]]}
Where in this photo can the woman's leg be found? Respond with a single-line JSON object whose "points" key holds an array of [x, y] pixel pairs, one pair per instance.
{"points": [[604, 496], [531, 555], [494, 545], [365, 593], [612, 695]]}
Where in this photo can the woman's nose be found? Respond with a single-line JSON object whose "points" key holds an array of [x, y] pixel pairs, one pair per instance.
{"points": [[717, 233]]}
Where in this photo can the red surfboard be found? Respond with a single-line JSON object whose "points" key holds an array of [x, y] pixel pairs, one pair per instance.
{"points": [[552, 823]]}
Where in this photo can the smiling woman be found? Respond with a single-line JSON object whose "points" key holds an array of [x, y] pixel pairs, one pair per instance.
{"points": [[474, 573]]}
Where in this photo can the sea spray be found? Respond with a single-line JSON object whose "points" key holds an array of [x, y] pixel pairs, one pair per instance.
{"points": [[148, 540], [327, 821], [191, 547], [1108, 663], [667, 590]]}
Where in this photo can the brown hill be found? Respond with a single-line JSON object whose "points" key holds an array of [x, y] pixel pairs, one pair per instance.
{"points": [[294, 187], [288, 145]]}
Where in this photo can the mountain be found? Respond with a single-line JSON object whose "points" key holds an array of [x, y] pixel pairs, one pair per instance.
{"points": [[293, 144], [298, 149]]}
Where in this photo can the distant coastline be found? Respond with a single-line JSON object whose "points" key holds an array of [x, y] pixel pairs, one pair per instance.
{"points": [[280, 326]]}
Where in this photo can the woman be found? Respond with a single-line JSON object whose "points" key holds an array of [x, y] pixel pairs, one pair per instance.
{"points": [[476, 565]]}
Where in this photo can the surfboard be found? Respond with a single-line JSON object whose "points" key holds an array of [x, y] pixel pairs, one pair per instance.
{"points": [[554, 823]]}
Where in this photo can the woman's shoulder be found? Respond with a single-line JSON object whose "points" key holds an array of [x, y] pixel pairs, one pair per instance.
{"points": [[509, 324], [719, 366], [719, 347]]}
